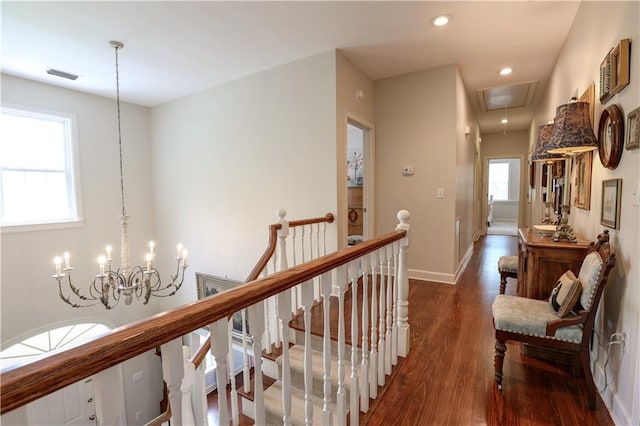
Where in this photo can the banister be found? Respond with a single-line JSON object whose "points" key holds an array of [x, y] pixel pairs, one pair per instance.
{"points": [[30, 382], [201, 352]]}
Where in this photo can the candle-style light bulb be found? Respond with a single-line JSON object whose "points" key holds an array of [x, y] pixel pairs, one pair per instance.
{"points": [[109, 249], [101, 262], [152, 245], [179, 248], [184, 258], [58, 262], [149, 258], [67, 261]]}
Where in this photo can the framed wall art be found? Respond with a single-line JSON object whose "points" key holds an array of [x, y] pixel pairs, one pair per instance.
{"points": [[209, 285], [633, 129], [611, 195], [605, 79], [610, 136], [589, 96], [619, 66], [582, 168]]}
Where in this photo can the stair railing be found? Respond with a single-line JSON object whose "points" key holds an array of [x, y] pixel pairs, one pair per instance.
{"points": [[28, 383], [308, 233]]}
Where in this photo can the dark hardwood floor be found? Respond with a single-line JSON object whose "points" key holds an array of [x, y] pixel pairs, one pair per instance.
{"points": [[447, 379]]}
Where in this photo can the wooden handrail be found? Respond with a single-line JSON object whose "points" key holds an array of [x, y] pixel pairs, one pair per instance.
{"points": [[202, 351], [162, 418], [30, 382]]}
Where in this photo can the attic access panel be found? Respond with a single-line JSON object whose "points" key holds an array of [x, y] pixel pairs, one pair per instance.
{"points": [[512, 96]]}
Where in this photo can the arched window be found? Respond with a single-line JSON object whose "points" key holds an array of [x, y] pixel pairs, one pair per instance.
{"points": [[36, 346]]}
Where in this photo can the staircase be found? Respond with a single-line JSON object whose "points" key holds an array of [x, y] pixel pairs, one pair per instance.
{"points": [[335, 395]]}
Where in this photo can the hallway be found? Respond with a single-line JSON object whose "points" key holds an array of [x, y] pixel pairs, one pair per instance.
{"points": [[447, 379]]}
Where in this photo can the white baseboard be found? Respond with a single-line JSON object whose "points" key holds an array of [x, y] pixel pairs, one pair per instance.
{"points": [[463, 263], [610, 397], [437, 277]]}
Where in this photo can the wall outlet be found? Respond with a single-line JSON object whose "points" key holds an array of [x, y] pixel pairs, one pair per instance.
{"points": [[407, 171]]}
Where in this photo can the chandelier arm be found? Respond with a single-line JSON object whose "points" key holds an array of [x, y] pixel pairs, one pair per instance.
{"points": [[67, 299]]}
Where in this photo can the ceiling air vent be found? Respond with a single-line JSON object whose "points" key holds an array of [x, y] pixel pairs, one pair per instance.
{"points": [[511, 96]]}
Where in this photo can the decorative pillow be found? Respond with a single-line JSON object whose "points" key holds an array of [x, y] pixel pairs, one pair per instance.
{"points": [[565, 294]]}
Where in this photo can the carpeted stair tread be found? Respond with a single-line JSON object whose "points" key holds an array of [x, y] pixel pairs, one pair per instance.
{"points": [[274, 410]]}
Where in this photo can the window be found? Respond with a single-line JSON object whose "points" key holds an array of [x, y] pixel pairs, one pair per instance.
{"points": [[52, 340], [499, 180], [37, 176]]}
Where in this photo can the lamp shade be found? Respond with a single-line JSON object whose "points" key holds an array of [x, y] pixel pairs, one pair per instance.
{"points": [[572, 131], [542, 144]]}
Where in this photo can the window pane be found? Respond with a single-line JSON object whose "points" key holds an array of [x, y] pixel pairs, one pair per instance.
{"points": [[34, 197], [499, 181], [33, 143]]}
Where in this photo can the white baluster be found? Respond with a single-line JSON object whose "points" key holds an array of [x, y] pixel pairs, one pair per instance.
{"points": [[235, 414], [246, 373], [256, 328], [307, 302], [373, 372], [200, 396], [381, 327], [285, 316], [354, 410], [327, 412], [364, 378], [267, 320], [324, 239], [387, 337], [394, 299], [341, 403], [188, 381], [403, 286], [172, 373], [220, 349]]}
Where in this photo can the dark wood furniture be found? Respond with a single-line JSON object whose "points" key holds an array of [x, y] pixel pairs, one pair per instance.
{"points": [[542, 261], [583, 316]]}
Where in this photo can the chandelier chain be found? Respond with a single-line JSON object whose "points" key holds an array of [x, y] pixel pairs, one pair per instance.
{"points": [[119, 132]]}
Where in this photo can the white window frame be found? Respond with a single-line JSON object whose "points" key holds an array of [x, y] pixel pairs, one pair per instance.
{"points": [[72, 170]]}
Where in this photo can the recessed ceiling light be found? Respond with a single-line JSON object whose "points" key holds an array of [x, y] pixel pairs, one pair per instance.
{"points": [[506, 71], [441, 20], [504, 121]]}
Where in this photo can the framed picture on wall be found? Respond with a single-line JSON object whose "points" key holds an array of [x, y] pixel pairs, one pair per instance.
{"points": [[611, 195], [582, 198], [633, 129], [209, 285]]}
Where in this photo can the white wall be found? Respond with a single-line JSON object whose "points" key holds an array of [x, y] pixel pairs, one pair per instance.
{"points": [[30, 301], [225, 159], [416, 126], [465, 158], [597, 28]]}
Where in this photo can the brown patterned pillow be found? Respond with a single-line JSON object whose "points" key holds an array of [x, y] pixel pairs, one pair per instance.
{"points": [[565, 294]]}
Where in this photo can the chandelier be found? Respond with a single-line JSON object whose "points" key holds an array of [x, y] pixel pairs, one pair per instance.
{"points": [[110, 284]]}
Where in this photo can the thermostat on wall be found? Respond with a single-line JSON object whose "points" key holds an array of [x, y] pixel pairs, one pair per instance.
{"points": [[407, 171]]}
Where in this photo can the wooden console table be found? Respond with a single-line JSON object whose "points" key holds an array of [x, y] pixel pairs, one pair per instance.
{"points": [[541, 261]]}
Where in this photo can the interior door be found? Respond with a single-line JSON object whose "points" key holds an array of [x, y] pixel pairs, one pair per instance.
{"points": [[73, 405], [359, 215]]}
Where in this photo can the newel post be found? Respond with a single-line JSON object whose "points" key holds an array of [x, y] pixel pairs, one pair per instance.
{"points": [[173, 373], [403, 286]]}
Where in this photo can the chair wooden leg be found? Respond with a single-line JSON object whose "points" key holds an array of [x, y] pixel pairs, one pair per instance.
{"points": [[501, 348], [503, 282], [591, 386]]}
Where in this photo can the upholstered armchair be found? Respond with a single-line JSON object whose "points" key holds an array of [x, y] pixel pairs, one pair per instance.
{"points": [[560, 324]]}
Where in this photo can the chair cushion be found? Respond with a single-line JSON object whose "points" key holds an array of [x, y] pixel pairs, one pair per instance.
{"points": [[508, 264], [588, 276], [565, 294], [530, 316]]}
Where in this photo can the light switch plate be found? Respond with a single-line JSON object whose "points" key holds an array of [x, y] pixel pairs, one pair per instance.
{"points": [[439, 192]]}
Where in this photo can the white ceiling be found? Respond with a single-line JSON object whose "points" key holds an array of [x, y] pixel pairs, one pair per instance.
{"points": [[173, 49]]}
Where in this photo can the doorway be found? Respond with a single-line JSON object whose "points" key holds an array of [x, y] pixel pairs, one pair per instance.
{"points": [[503, 195], [359, 182]]}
